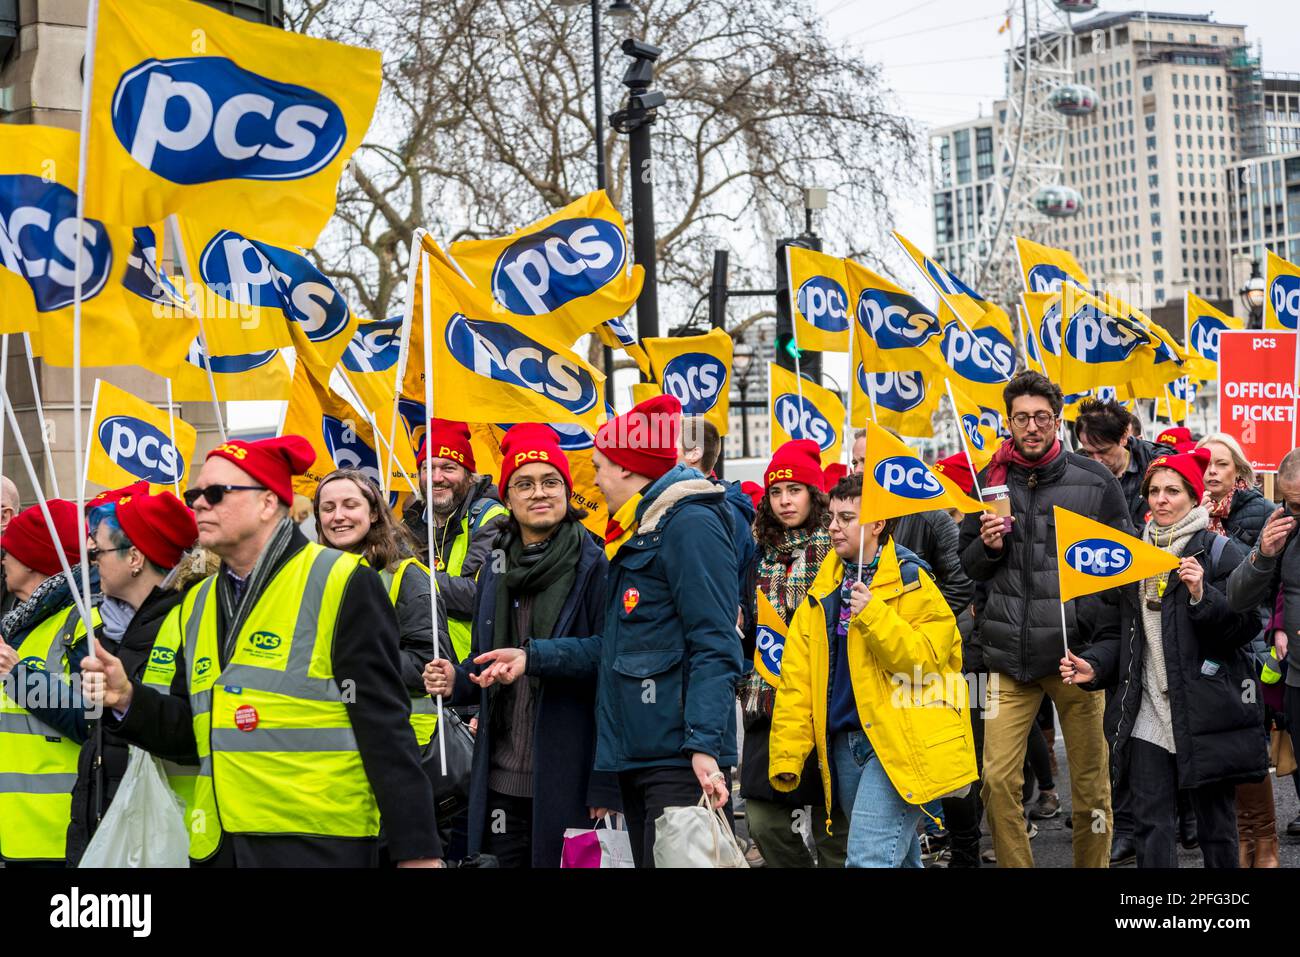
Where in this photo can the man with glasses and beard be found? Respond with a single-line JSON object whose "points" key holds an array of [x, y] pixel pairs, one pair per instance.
{"points": [[287, 692], [1020, 623], [467, 516]]}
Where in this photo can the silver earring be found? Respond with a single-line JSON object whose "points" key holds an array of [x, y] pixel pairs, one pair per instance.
{"points": [[135, 572]]}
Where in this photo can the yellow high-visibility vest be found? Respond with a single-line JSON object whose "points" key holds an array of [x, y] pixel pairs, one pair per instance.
{"points": [[424, 717], [38, 766]]}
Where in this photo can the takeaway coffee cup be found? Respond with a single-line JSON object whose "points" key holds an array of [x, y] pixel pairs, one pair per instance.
{"points": [[999, 497]]}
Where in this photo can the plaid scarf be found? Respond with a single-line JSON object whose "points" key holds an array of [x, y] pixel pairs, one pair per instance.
{"points": [[1219, 510], [622, 526], [787, 570]]}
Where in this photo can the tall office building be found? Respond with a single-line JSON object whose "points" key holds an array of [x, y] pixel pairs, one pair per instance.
{"points": [[42, 43], [1180, 99]]}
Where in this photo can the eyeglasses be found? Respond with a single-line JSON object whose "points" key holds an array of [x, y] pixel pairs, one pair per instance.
{"points": [[213, 494], [93, 554], [526, 487], [1044, 420]]}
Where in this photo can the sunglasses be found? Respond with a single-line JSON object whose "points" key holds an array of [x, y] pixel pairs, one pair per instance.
{"points": [[213, 494], [93, 553]]}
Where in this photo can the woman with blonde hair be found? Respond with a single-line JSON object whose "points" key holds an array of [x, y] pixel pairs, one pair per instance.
{"points": [[1237, 509]]}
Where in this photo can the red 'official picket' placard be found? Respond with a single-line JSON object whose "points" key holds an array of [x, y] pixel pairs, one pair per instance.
{"points": [[1257, 396]]}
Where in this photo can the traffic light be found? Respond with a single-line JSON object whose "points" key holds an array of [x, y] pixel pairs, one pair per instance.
{"points": [[810, 363]]}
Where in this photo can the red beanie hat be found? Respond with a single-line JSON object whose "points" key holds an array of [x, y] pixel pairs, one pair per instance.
{"points": [[638, 441], [1190, 465], [159, 525], [1177, 438], [832, 474], [116, 494], [956, 469], [754, 491], [28, 537], [450, 440], [531, 442], [273, 462], [799, 460]]}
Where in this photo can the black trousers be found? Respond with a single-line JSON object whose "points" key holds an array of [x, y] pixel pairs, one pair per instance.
{"points": [[646, 792], [509, 831], [961, 816], [1153, 799]]}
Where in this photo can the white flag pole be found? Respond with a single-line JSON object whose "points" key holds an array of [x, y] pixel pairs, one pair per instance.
{"points": [[183, 258], [404, 341], [427, 318], [171, 426], [961, 434], [40, 414], [94, 411]]}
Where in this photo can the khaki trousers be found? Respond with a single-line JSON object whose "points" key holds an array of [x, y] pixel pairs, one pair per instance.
{"points": [[1010, 708]]}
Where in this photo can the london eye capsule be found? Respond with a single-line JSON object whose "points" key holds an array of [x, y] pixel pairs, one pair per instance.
{"points": [[1074, 99], [1058, 201], [1076, 6]]}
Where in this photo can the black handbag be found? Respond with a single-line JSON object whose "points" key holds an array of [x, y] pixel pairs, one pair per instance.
{"points": [[450, 790]]}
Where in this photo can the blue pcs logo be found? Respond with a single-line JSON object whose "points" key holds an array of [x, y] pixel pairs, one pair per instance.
{"points": [[1285, 296], [228, 365], [907, 476], [204, 119], [162, 656], [257, 274], [1048, 278], [567, 260], [803, 421], [1183, 389], [1205, 336], [346, 448], [374, 346], [1098, 557], [895, 321], [697, 379], [770, 646], [824, 303], [1094, 336], [501, 352], [38, 241], [265, 640], [985, 356], [895, 391], [1049, 330], [140, 449], [971, 424], [142, 276]]}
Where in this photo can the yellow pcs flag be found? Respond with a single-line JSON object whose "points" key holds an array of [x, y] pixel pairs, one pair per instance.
{"points": [[697, 371], [270, 297], [618, 335], [128, 313], [1092, 557], [193, 110], [819, 415], [131, 439], [574, 267], [819, 300], [980, 424], [341, 436], [1203, 323], [1047, 269], [769, 640], [896, 482], [1282, 294], [493, 368], [895, 332], [904, 401], [641, 391]]}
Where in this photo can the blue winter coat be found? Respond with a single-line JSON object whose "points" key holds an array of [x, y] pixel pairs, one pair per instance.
{"points": [[564, 729], [668, 659]]}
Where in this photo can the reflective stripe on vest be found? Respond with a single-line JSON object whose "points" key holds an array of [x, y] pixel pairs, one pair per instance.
{"points": [[38, 767], [424, 719], [273, 724], [159, 672], [459, 628]]}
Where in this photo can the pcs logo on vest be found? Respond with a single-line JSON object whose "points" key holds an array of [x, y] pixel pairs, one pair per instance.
{"points": [[162, 656], [265, 640]]}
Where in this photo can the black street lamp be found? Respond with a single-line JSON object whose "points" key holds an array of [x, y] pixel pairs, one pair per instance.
{"points": [[1253, 294], [619, 9]]}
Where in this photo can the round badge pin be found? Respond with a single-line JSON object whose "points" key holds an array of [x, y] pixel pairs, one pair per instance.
{"points": [[245, 717]]}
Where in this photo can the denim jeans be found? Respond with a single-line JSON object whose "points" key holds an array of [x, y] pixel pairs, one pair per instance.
{"points": [[882, 826]]}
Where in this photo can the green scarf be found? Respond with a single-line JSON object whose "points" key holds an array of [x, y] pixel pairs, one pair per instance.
{"points": [[545, 574]]}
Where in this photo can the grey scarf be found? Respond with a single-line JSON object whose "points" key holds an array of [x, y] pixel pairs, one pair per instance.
{"points": [[235, 612]]}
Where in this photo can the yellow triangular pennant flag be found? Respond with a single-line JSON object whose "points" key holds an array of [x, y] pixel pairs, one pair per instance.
{"points": [[769, 640], [896, 482], [1091, 557]]}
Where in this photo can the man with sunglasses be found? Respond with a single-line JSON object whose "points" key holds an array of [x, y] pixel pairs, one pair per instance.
{"points": [[1020, 623], [1270, 576], [288, 694]]}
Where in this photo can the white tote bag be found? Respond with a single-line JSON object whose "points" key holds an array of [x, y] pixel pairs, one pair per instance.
{"points": [[696, 837], [596, 848], [145, 824]]}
